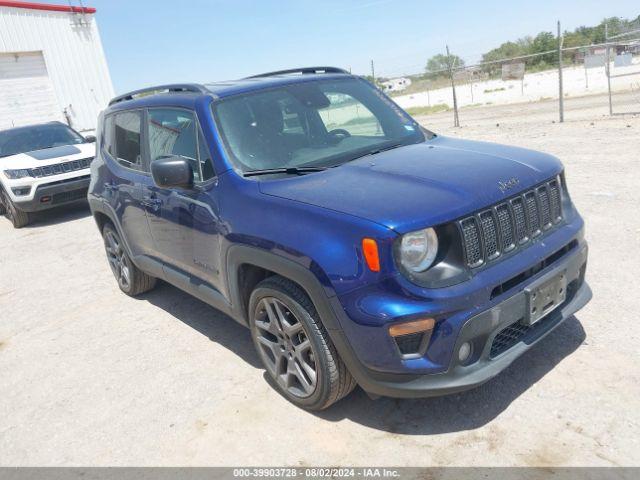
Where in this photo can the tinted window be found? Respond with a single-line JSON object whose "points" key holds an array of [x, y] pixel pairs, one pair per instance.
{"points": [[319, 123], [175, 132], [127, 129], [38, 137]]}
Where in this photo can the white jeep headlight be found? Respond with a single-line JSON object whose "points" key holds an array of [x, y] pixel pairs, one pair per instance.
{"points": [[418, 250], [15, 174]]}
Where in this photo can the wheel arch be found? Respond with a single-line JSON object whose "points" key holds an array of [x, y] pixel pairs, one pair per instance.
{"points": [[247, 266], [103, 214]]}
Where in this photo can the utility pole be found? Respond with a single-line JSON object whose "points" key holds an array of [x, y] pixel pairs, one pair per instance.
{"points": [[561, 93], [607, 66], [373, 73], [456, 120]]}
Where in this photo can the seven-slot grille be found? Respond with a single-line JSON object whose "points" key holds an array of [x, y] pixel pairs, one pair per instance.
{"points": [[58, 168], [503, 227]]}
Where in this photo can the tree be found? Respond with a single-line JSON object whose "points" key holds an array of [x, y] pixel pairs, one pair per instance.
{"points": [[438, 64]]}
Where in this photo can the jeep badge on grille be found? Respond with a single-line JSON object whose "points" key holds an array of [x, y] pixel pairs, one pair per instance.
{"points": [[508, 184]]}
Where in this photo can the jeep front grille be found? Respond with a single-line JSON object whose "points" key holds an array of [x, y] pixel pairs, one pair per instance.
{"points": [[509, 225], [59, 168]]}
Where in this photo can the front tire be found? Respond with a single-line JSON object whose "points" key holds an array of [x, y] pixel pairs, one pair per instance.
{"points": [[18, 218], [294, 346], [130, 278]]}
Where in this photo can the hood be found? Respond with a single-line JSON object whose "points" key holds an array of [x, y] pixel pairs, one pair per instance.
{"points": [[48, 156], [421, 185]]}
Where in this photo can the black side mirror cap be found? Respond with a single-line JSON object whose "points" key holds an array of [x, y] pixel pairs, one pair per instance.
{"points": [[171, 172], [90, 138]]}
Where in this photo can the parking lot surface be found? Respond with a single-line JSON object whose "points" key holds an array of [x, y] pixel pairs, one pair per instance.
{"points": [[89, 376]]}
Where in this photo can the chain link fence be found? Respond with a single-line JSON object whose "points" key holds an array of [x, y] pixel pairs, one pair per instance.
{"points": [[566, 75]]}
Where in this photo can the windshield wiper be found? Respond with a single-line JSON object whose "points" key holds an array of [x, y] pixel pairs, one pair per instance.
{"points": [[375, 151], [286, 170]]}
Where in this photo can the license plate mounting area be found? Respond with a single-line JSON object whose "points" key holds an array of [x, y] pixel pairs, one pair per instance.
{"points": [[545, 297]]}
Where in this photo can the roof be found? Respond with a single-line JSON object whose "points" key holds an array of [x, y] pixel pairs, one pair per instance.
{"points": [[28, 127], [244, 85], [227, 88], [46, 7]]}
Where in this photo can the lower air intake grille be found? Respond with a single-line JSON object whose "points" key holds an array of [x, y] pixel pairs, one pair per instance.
{"points": [[510, 224], [71, 196]]}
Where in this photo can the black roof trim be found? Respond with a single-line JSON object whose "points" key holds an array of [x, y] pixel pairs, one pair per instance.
{"points": [[302, 70], [171, 88]]}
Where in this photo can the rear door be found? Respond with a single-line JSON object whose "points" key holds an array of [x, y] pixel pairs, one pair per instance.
{"points": [[184, 223], [123, 143]]}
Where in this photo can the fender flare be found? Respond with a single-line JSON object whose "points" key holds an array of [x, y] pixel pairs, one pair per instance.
{"points": [[98, 206], [238, 255]]}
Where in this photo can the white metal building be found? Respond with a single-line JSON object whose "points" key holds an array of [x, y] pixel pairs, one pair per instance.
{"points": [[52, 66]]}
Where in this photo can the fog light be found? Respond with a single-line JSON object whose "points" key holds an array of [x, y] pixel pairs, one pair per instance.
{"points": [[45, 199], [464, 352]]}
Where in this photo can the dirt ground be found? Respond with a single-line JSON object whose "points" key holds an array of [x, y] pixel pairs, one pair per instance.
{"points": [[89, 376]]}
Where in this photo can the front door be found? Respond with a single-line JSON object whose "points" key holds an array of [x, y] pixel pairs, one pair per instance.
{"points": [[184, 223]]}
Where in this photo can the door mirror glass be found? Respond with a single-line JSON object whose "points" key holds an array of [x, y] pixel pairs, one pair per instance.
{"points": [[172, 172], [90, 138]]}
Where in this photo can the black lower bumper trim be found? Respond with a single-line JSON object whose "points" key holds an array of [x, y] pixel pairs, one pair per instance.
{"points": [[55, 194]]}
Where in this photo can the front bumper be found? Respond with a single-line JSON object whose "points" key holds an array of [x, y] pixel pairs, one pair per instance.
{"points": [[54, 194], [485, 331]]}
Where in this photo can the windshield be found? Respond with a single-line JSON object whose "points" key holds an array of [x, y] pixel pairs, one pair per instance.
{"points": [[39, 137], [311, 124]]}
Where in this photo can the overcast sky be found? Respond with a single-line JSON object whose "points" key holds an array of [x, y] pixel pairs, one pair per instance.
{"points": [[153, 41]]}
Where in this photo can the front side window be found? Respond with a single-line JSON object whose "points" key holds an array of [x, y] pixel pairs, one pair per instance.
{"points": [[175, 133], [127, 139], [319, 123]]}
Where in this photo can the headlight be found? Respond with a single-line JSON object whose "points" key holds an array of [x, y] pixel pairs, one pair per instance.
{"points": [[418, 250], [15, 174]]}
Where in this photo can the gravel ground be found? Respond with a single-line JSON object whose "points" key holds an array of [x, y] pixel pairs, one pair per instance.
{"points": [[89, 376]]}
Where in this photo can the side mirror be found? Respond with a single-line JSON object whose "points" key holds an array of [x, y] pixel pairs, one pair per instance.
{"points": [[90, 138], [171, 172]]}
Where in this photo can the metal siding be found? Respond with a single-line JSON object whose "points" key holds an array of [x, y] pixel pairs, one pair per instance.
{"points": [[26, 92], [73, 54]]}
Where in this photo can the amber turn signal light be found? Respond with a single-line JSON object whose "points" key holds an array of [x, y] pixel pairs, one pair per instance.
{"points": [[414, 326], [370, 250]]}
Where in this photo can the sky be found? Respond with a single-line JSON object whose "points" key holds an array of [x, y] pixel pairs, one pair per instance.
{"points": [[150, 42]]}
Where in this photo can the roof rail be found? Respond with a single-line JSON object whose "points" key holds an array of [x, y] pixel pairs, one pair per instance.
{"points": [[172, 88], [302, 70]]}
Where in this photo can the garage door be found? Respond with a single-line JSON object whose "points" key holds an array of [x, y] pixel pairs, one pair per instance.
{"points": [[26, 92]]}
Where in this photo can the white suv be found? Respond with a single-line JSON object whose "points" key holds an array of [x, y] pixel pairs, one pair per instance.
{"points": [[42, 166]]}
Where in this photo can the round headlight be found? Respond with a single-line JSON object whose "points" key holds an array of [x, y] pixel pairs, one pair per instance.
{"points": [[418, 250]]}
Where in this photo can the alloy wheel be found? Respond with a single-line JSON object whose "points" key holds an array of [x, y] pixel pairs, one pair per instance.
{"points": [[118, 260], [285, 347]]}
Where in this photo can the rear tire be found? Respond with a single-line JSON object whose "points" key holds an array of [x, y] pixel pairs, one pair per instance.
{"points": [[18, 218], [130, 278], [294, 346]]}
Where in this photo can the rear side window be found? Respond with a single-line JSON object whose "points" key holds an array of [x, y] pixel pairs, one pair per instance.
{"points": [[125, 141], [175, 132]]}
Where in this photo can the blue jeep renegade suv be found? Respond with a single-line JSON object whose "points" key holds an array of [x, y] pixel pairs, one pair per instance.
{"points": [[358, 247]]}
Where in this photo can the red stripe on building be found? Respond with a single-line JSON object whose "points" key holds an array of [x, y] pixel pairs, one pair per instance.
{"points": [[46, 7]]}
